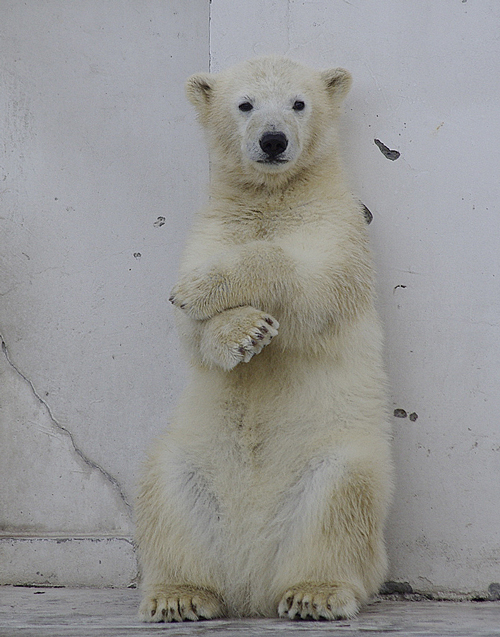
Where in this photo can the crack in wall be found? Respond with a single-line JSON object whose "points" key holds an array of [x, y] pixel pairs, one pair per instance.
{"points": [[85, 459], [210, 36]]}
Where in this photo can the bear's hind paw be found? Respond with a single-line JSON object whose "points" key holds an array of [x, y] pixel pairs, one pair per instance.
{"points": [[323, 601], [181, 603]]}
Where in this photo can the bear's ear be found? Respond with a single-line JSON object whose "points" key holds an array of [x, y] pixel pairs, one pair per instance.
{"points": [[199, 90], [338, 82]]}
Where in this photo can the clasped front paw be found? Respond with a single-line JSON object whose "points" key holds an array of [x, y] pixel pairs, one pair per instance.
{"points": [[201, 294], [259, 335], [236, 336]]}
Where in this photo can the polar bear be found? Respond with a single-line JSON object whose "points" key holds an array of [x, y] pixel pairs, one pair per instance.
{"points": [[267, 495]]}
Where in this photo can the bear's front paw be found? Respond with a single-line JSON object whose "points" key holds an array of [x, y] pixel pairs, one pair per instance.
{"points": [[319, 601], [201, 294], [258, 336], [236, 335], [180, 603]]}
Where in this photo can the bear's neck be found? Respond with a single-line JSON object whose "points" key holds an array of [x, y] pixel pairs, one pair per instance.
{"points": [[323, 179]]}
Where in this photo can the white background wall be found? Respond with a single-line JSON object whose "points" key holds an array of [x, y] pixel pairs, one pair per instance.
{"points": [[98, 142]]}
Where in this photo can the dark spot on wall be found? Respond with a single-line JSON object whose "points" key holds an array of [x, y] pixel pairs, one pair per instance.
{"points": [[387, 152], [159, 222], [403, 287], [400, 413], [367, 213], [396, 588], [494, 591], [137, 255], [413, 416]]}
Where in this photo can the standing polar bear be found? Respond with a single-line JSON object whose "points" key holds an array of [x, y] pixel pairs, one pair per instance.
{"points": [[268, 494]]}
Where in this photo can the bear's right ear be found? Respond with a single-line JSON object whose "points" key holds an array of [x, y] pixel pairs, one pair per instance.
{"points": [[199, 90], [338, 82]]}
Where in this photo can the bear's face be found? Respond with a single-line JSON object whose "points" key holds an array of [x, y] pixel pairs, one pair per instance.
{"points": [[270, 116], [273, 126]]}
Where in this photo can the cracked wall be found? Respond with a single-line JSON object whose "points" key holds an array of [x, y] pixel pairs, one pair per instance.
{"points": [[59, 490], [92, 117]]}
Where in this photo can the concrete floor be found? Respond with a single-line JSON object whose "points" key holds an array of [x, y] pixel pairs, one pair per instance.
{"points": [[65, 612]]}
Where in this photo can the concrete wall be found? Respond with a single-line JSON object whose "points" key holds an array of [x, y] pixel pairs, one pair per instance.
{"points": [[101, 170], [100, 143]]}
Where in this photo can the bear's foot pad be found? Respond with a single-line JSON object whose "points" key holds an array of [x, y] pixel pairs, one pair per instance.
{"points": [[181, 603], [319, 601]]}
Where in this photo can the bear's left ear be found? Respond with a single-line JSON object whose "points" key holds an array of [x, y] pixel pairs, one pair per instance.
{"points": [[338, 82], [199, 90]]}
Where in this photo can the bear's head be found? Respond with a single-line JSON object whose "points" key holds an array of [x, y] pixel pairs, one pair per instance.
{"points": [[270, 118]]}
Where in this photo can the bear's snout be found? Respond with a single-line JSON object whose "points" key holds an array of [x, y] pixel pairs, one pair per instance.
{"points": [[273, 144]]}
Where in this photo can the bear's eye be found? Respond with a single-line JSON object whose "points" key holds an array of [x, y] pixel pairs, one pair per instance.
{"points": [[245, 106], [298, 105]]}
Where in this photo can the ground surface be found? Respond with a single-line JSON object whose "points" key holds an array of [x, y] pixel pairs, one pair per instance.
{"points": [[64, 612]]}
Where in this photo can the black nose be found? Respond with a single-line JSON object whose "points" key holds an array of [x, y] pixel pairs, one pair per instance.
{"points": [[273, 144]]}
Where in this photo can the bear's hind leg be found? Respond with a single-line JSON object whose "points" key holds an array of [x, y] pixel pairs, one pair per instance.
{"points": [[178, 538], [333, 557]]}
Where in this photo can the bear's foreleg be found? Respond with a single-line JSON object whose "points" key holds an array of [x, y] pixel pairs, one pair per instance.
{"points": [[312, 288], [243, 275]]}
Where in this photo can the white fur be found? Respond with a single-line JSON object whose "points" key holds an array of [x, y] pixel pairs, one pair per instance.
{"points": [[268, 493]]}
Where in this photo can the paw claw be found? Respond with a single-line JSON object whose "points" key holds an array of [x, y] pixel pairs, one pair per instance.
{"points": [[236, 336], [177, 604], [310, 601], [258, 336]]}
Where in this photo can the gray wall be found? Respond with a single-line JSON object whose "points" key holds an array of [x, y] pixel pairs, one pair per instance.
{"points": [[99, 144], [102, 169]]}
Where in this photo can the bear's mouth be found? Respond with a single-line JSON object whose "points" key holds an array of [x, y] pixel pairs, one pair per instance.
{"points": [[271, 162]]}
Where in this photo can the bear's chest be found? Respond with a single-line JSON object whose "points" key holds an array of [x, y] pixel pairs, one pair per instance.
{"points": [[264, 224]]}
